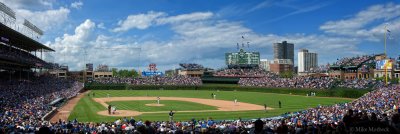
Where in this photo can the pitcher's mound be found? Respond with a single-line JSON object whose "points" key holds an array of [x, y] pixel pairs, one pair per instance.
{"points": [[154, 105], [120, 113]]}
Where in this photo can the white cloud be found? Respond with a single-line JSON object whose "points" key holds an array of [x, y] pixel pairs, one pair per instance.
{"points": [[70, 48], [144, 21], [196, 16], [77, 4], [39, 12], [45, 19], [300, 11], [85, 45], [101, 26], [139, 21], [29, 4], [357, 25], [265, 3]]}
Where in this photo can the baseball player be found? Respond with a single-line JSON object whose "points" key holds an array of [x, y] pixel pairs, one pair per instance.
{"points": [[158, 100], [171, 116], [265, 107], [235, 100]]}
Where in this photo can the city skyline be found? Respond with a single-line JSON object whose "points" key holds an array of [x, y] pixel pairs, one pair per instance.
{"points": [[174, 32]]}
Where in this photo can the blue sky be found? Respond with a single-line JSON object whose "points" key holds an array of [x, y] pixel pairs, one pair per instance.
{"points": [[201, 31]]}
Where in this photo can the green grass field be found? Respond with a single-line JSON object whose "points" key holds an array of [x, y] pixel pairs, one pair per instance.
{"points": [[86, 109], [168, 105]]}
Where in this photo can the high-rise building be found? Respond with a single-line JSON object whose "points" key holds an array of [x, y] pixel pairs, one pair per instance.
{"points": [[306, 60], [264, 64], [284, 50]]}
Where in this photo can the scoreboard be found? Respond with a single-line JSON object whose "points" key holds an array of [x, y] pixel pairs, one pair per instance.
{"points": [[89, 67], [242, 59]]}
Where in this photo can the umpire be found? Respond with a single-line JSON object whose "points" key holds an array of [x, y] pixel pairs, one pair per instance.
{"points": [[109, 109]]}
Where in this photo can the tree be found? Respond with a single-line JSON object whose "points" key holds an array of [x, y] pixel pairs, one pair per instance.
{"points": [[114, 71], [287, 74], [125, 73]]}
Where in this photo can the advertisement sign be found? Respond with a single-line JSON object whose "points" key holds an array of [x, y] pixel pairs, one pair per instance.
{"points": [[149, 73], [382, 64]]}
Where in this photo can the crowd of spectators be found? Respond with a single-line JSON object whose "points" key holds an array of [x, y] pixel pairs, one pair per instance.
{"points": [[296, 82], [308, 82], [25, 103], [191, 66], [244, 73], [156, 80], [20, 56], [358, 83], [353, 61], [376, 111], [320, 69], [378, 108]]}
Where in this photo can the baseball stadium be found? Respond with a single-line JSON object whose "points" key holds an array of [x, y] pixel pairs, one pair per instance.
{"points": [[245, 94]]}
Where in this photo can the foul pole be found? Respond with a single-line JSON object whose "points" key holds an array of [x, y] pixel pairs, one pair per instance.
{"points": [[386, 77], [385, 38]]}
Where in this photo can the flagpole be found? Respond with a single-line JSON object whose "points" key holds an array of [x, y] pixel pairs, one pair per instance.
{"points": [[385, 58], [385, 41]]}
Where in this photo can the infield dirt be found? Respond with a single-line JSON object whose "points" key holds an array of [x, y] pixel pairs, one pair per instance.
{"points": [[222, 105]]}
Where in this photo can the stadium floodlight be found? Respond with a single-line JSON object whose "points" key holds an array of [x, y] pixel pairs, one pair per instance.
{"points": [[32, 27], [4, 8]]}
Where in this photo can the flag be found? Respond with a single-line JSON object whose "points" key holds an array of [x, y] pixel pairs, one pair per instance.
{"points": [[237, 45], [248, 45], [242, 37], [389, 35], [388, 64]]}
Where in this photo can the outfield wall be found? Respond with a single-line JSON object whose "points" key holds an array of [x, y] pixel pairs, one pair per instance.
{"points": [[334, 92]]}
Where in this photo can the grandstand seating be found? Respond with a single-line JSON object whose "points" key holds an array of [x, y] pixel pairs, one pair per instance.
{"points": [[22, 57], [174, 80], [25, 103], [243, 73], [354, 62]]}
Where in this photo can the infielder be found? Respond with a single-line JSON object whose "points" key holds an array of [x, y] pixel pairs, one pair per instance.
{"points": [[235, 101], [158, 100]]}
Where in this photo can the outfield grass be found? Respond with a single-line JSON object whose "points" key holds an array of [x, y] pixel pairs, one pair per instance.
{"points": [[168, 105], [86, 108]]}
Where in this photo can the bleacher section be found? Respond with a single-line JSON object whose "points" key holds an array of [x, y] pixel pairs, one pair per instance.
{"points": [[191, 66], [353, 63]]}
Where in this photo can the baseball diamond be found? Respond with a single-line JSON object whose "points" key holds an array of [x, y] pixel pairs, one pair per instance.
{"points": [[250, 104], [199, 67]]}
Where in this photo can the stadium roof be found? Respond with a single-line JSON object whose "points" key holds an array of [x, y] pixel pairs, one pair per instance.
{"points": [[19, 40]]}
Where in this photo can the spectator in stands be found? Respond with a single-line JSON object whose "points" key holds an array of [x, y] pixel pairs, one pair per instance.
{"points": [[244, 73], [26, 102], [296, 82], [157, 80]]}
